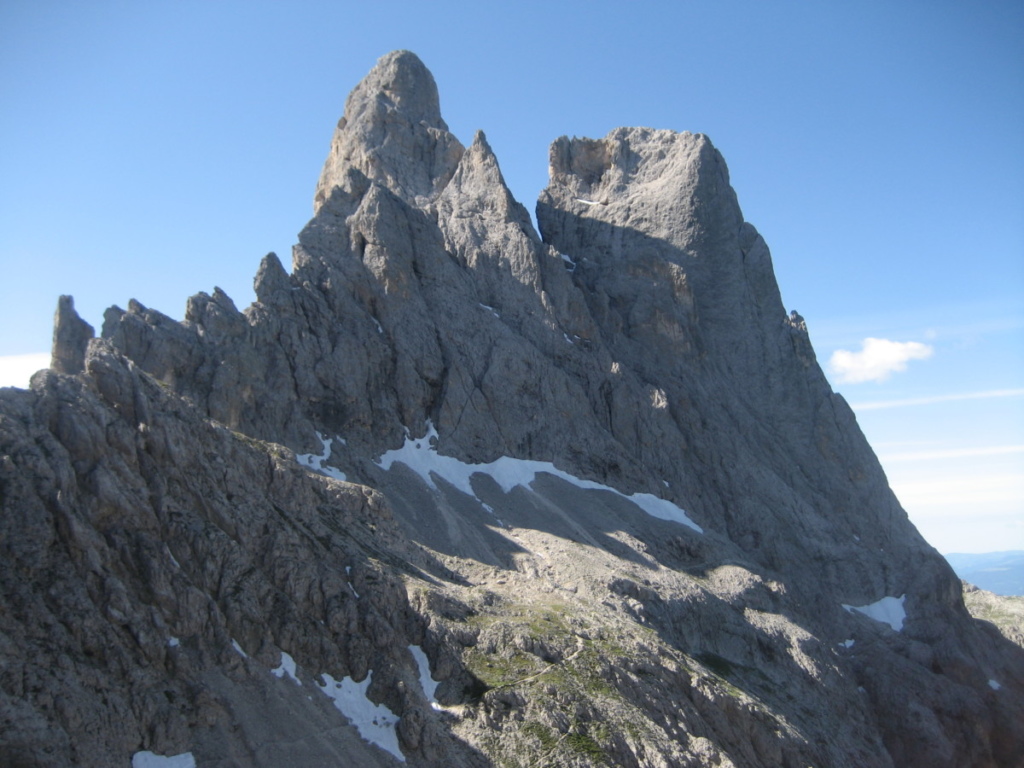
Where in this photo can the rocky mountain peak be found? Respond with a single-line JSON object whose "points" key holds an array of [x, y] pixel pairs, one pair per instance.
{"points": [[400, 83], [452, 493], [393, 133]]}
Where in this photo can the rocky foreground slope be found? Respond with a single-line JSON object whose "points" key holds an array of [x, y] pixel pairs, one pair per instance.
{"points": [[451, 493]]}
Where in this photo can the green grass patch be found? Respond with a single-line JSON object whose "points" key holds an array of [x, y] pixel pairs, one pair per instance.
{"points": [[497, 671], [542, 733], [584, 745]]}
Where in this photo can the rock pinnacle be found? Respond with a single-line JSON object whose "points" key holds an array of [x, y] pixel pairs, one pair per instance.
{"points": [[392, 131]]}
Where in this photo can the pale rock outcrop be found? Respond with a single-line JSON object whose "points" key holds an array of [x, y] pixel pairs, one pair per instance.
{"points": [[1005, 614], [392, 133]]}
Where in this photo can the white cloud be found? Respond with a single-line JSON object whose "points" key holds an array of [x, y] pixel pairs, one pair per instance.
{"points": [[16, 370], [877, 360]]}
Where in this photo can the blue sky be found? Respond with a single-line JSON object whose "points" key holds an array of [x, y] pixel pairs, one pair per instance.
{"points": [[155, 149]]}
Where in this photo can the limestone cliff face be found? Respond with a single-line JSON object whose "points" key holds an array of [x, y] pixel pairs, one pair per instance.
{"points": [[596, 476]]}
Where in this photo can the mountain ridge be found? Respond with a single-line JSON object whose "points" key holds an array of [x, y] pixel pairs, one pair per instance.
{"points": [[635, 349]]}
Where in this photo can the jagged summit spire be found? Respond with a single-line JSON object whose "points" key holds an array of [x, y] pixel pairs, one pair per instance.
{"points": [[400, 81], [392, 132]]}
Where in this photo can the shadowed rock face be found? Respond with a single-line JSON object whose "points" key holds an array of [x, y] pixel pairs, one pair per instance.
{"points": [[577, 393]]}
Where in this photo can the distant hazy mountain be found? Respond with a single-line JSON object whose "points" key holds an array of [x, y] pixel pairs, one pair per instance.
{"points": [[999, 572]]}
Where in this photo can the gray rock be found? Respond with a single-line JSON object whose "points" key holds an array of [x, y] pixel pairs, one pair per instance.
{"points": [[392, 132], [71, 336], [141, 543], [640, 347], [1004, 612]]}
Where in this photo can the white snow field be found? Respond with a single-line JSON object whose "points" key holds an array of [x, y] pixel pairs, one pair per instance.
{"points": [[422, 457], [888, 610], [376, 723], [316, 461], [287, 667], [428, 683]]}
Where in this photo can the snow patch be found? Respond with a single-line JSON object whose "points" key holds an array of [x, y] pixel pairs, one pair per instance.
{"points": [[587, 202], [569, 263], [422, 457], [427, 680], [492, 310], [888, 610], [173, 642], [348, 573], [994, 685], [655, 506], [375, 722], [316, 461], [847, 643], [237, 647], [287, 667], [490, 510], [173, 560], [153, 760]]}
